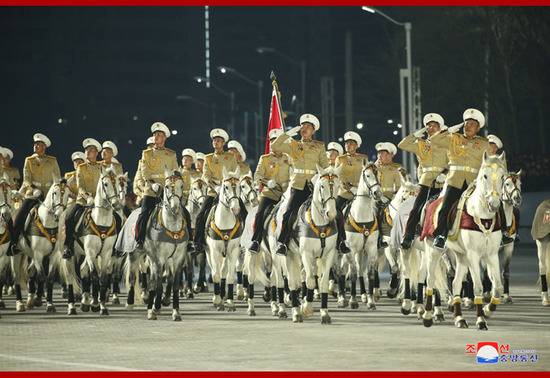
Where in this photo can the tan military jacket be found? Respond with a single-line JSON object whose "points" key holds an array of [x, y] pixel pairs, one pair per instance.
{"points": [[117, 167], [465, 156], [213, 169], [431, 154], [271, 167], [71, 184], [193, 173], [352, 166], [156, 163], [14, 178], [40, 172], [138, 185], [305, 155], [87, 177], [389, 178], [244, 168]]}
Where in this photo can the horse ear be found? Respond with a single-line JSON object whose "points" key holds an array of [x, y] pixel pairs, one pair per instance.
{"points": [[520, 172], [125, 175], [167, 173], [484, 157], [237, 172], [224, 173], [502, 156]]}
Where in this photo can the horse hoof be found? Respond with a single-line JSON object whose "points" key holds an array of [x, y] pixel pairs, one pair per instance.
{"points": [[377, 294], [440, 318], [50, 308], [129, 307], [151, 315], [428, 322], [251, 313], [20, 306], [405, 311], [391, 293], [282, 314], [230, 308], [165, 302], [190, 295], [342, 303], [104, 312], [115, 301], [71, 311], [371, 306], [354, 305], [37, 302], [462, 323], [297, 319], [221, 307], [506, 299], [364, 298], [95, 308], [266, 297], [176, 317], [2, 305], [85, 307], [325, 319], [482, 326]]}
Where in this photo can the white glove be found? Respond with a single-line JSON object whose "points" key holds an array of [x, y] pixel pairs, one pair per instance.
{"points": [[294, 131], [353, 190], [36, 193], [455, 128], [418, 133], [155, 187], [441, 178], [271, 184]]}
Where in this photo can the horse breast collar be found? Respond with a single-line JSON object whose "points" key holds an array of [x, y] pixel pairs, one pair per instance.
{"points": [[103, 232], [36, 228], [362, 228], [176, 235]]}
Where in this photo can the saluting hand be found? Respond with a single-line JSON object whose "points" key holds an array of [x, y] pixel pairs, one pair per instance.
{"points": [[294, 131]]}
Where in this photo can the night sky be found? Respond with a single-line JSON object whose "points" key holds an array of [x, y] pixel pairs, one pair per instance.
{"points": [[108, 73]]}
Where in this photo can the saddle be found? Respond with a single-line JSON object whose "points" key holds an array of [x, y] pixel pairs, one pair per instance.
{"points": [[458, 219]]}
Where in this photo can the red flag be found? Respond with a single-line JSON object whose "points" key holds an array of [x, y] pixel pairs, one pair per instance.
{"points": [[275, 116]]}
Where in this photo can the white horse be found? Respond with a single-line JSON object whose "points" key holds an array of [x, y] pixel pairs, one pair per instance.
{"points": [[223, 233], [541, 234], [314, 245], [40, 242], [197, 194], [6, 209], [362, 234], [117, 259], [96, 235], [471, 247], [249, 198], [511, 199], [167, 251]]}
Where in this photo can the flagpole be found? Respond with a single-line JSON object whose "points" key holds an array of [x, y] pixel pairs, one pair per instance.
{"points": [[278, 94]]}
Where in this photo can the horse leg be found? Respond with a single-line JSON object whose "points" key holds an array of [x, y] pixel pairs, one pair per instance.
{"points": [[487, 287], [493, 270], [165, 299], [175, 296], [543, 249], [439, 316], [475, 273], [460, 274], [323, 286], [433, 261], [95, 307], [86, 284]]}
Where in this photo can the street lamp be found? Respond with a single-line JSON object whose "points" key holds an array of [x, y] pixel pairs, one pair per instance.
{"points": [[359, 125], [259, 84], [231, 95], [300, 63], [408, 123]]}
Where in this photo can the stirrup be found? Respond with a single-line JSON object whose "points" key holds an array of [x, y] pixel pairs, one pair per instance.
{"points": [[67, 253], [439, 242], [254, 247], [343, 247]]}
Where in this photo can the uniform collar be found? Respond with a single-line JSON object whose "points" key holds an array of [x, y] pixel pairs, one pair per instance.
{"points": [[38, 156], [306, 140], [219, 153]]}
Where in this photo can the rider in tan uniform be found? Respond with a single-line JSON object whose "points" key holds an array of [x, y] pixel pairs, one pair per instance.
{"points": [[432, 157], [87, 177], [213, 175], [334, 149], [139, 185], [465, 153], [14, 178], [272, 177], [77, 158], [39, 173], [109, 153]]}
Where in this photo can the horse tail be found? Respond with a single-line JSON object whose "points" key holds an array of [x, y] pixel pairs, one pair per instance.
{"points": [[546, 245], [440, 274], [132, 270], [258, 273], [68, 274]]}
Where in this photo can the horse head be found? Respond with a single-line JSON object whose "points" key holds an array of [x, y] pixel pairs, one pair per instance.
{"points": [[122, 187], [325, 190], [5, 197], [173, 191], [368, 182], [57, 197], [198, 192], [249, 195], [490, 179], [230, 190], [107, 189], [512, 188]]}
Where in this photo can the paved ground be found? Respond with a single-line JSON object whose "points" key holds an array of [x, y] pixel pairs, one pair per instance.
{"points": [[209, 340]]}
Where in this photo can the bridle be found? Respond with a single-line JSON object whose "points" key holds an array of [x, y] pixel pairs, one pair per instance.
{"points": [[234, 183], [196, 200], [494, 185], [248, 181], [508, 196], [370, 188], [60, 204], [106, 197], [169, 193], [331, 182]]}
